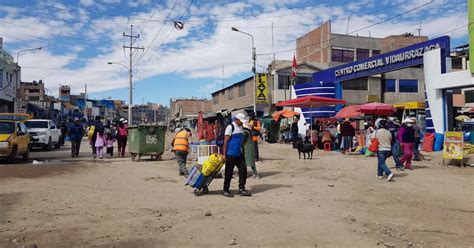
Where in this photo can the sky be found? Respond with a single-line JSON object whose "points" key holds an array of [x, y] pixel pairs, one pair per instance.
{"points": [[79, 37]]}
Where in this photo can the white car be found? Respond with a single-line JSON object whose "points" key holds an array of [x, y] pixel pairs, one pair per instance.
{"points": [[44, 133]]}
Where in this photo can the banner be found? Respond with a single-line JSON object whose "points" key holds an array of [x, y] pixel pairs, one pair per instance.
{"points": [[262, 88], [453, 145]]}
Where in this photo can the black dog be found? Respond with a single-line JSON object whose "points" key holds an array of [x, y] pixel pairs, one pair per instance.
{"points": [[305, 148]]}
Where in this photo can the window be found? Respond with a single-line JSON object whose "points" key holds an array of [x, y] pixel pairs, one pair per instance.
{"points": [[375, 52], [341, 55], [230, 93], [241, 89], [356, 84], [408, 85], [215, 99], [283, 82], [390, 85], [363, 53], [304, 79], [469, 96]]}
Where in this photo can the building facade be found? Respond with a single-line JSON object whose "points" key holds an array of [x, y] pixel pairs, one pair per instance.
{"points": [[10, 77], [330, 49], [185, 111]]}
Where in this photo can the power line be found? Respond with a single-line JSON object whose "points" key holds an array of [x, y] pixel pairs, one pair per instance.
{"points": [[355, 31]]}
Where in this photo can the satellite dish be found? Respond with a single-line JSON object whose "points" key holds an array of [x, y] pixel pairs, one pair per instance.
{"points": [[178, 25]]}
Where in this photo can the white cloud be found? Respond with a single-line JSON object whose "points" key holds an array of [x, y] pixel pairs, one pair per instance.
{"points": [[87, 2], [111, 1]]}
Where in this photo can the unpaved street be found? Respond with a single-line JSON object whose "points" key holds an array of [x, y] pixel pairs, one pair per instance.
{"points": [[333, 200]]}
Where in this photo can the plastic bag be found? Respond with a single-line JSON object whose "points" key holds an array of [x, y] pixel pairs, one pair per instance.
{"points": [[213, 163]]}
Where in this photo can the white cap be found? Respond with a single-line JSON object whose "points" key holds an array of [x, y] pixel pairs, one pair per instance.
{"points": [[408, 120], [121, 119], [241, 117], [125, 122]]}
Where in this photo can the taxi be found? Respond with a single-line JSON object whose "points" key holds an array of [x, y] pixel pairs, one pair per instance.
{"points": [[14, 138]]}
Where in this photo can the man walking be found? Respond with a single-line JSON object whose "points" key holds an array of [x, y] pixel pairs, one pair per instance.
{"points": [[75, 136], [256, 127], [394, 127], [233, 140], [180, 145], [416, 144]]}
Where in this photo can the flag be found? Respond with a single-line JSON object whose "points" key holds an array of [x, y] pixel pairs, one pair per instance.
{"points": [[294, 69]]}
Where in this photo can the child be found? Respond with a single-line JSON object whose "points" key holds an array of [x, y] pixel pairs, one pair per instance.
{"points": [[99, 144], [109, 142]]}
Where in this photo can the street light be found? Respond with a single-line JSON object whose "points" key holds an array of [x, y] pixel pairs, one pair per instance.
{"points": [[254, 58], [18, 65], [129, 90]]}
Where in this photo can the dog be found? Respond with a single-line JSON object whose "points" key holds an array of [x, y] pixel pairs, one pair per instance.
{"points": [[305, 148]]}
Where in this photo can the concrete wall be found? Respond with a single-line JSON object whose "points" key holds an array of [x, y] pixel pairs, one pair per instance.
{"points": [[400, 97], [237, 102], [360, 96]]}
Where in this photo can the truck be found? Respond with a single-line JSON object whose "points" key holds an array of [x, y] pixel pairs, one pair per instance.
{"points": [[44, 133]]}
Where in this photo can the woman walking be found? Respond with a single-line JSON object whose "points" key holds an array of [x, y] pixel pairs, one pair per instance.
{"points": [[122, 135], [384, 137], [347, 133], [406, 137], [249, 150], [100, 143]]}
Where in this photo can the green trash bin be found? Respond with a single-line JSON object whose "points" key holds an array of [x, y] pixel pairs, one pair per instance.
{"points": [[146, 140]]}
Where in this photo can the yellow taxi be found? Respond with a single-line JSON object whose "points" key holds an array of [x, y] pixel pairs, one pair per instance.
{"points": [[14, 138]]}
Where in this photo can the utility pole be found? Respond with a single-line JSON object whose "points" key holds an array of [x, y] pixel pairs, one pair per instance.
{"points": [[130, 69], [419, 29]]}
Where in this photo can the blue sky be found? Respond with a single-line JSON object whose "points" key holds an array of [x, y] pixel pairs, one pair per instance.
{"points": [[80, 37]]}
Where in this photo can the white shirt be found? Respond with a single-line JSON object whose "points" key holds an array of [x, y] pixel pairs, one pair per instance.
{"points": [[237, 129]]}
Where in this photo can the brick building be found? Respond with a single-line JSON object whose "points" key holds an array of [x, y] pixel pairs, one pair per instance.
{"points": [[329, 49], [184, 111]]}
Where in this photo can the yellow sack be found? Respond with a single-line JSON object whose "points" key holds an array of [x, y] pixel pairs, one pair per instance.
{"points": [[213, 163], [90, 133]]}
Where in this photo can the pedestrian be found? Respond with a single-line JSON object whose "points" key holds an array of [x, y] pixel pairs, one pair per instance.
{"points": [[347, 133], [294, 131], [180, 145], [416, 144], [100, 143], [406, 136], [64, 130], [75, 136], [95, 127], [255, 127], [384, 137], [122, 135], [394, 128], [110, 138], [234, 138], [249, 150]]}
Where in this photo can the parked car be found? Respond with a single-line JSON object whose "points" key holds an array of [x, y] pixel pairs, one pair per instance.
{"points": [[14, 138], [44, 133]]}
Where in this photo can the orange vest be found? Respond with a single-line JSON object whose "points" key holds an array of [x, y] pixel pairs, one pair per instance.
{"points": [[181, 141], [257, 127]]}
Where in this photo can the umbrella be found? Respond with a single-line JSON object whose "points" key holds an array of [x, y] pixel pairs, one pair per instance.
{"points": [[462, 118], [377, 108], [285, 113], [349, 112], [310, 102]]}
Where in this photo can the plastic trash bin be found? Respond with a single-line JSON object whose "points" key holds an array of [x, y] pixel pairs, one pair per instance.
{"points": [[146, 140]]}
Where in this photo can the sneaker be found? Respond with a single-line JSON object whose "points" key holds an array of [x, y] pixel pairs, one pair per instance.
{"points": [[243, 192], [227, 194], [380, 177], [256, 176], [400, 169], [389, 177], [72, 155]]}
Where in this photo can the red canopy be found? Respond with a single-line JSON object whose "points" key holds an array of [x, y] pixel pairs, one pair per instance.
{"points": [[310, 102], [377, 108], [349, 112]]}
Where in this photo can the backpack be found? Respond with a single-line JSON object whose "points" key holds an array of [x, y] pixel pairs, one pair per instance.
{"points": [[221, 136]]}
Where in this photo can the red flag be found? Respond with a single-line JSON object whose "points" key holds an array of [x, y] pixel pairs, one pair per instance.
{"points": [[294, 69]]}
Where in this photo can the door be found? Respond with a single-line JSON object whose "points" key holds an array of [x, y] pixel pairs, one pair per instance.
{"points": [[54, 132], [22, 139]]}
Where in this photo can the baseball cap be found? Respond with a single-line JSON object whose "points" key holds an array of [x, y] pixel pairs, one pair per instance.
{"points": [[408, 120]]}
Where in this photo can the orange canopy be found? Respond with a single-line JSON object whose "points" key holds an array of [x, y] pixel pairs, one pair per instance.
{"points": [[285, 113]]}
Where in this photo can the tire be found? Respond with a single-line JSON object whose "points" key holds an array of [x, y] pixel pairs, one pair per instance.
{"points": [[58, 145], [26, 155], [13, 153]]}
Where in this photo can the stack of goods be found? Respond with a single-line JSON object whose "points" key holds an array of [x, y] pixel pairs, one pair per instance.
{"points": [[201, 176]]}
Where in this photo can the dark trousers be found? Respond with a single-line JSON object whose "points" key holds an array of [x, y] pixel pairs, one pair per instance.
{"points": [[110, 151], [94, 151], [182, 157], [255, 150], [122, 144], [75, 147], [230, 163], [416, 151]]}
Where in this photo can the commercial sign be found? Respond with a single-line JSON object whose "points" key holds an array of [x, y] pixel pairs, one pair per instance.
{"points": [[453, 145], [261, 88], [386, 62]]}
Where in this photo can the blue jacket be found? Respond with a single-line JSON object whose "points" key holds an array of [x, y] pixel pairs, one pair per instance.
{"points": [[76, 132]]}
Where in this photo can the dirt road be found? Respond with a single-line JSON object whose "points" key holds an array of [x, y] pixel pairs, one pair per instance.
{"points": [[333, 200]]}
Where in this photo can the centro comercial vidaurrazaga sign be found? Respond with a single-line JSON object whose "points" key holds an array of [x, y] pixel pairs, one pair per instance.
{"points": [[390, 61]]}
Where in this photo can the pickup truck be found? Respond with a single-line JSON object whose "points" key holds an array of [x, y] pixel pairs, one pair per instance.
{"points": [[44, 133]]}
